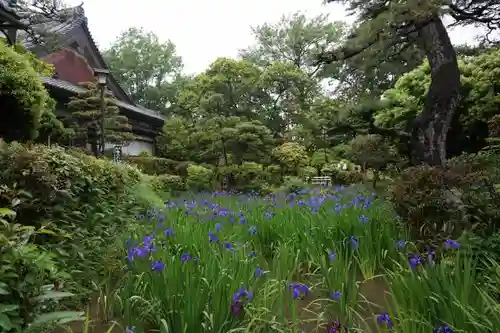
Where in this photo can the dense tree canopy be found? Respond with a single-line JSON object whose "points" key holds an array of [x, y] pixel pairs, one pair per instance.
{"points": [[146, 68], [381, 91], [393, 27], [269, 106], [296, 39], [478, 103]]}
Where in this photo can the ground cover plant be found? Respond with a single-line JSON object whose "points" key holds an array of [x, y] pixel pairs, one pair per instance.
{"points": [[331, 260]]}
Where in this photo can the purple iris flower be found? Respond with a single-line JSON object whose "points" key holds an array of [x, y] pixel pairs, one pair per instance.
{"points": [[384, 318], [452, 244], [299, 290], [415, 260], [336, 295], [157, 266]]}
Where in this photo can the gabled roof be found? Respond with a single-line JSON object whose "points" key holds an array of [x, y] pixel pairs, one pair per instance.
{"points": [[8, 13], [7, 6], [78, 90], [69, 19], [66, 31]]}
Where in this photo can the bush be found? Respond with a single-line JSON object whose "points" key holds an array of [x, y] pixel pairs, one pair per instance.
{"points": [[149, 192], [170, 183], [23, 98], [274, 174], [294, 184], [153, 165], [347, 178], [199, 178], [181, 168], [27, 275], [86, 201], [58, 179], [439, 203], [342, 177], [308, 172], [249, 176], [292, 157]]}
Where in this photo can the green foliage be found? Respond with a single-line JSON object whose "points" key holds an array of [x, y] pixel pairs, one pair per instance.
{"points": [[145, 67], [23, 99], [292, 157], [246, 177], [320, 158], [173, 140], [55, 177], [84, 200], [308, 172], [295, 39], [377, 51], [209, 140], [170, 183], [153, 165], [478, 104], [371, 151], [28, 274], [493, 140], [199, 178], [52, 129], [340, 176], [150, 191], [274, 173], [144, 154], [86, 111], [293, 184], [441, 203]]}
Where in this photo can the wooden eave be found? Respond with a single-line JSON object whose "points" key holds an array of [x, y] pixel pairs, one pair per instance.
{"points": [[74, 90]]}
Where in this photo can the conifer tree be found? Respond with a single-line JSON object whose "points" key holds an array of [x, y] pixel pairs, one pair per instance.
{"points": [[86, 111]]}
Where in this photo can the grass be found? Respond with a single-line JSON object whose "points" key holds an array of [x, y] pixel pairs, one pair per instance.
{"points": [[313, 262]]}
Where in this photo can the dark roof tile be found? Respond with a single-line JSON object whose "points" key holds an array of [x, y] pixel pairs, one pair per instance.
{"points": [[74, 18], [70, 19], [6, 5], [78, 90]]}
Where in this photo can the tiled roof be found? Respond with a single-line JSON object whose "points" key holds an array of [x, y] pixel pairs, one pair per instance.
{"points": [[6, 5], [75, 18], [78, 90], [70, 19]]}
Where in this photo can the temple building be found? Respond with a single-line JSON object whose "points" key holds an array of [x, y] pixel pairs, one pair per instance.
{"points": [[75, 55]]}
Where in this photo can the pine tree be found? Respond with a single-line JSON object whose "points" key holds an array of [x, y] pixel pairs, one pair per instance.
{"points": [[86, 111]]}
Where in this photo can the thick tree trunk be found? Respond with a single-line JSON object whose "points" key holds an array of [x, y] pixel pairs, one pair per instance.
{"points": [[431, 127]]}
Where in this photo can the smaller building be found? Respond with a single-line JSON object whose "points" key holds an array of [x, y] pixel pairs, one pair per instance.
{"points": [[75, 55]]}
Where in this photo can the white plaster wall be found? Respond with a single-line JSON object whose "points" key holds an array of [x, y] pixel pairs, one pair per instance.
{"points": [[135, 147]]}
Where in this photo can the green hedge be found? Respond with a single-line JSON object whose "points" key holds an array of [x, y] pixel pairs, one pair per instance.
{"points": [[85, 202], [158, 165]]}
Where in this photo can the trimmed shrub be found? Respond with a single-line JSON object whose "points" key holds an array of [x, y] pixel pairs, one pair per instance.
{"points": [[199, 178], [292, 157], [250, 176], [85, 202], [56, 178], [171, 183], [308, 172], [342, 177], [153, 165], [293, 184], [273, 172]]}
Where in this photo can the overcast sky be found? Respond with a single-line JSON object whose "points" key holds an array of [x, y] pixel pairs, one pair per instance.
{"points": [[203, 30]]}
